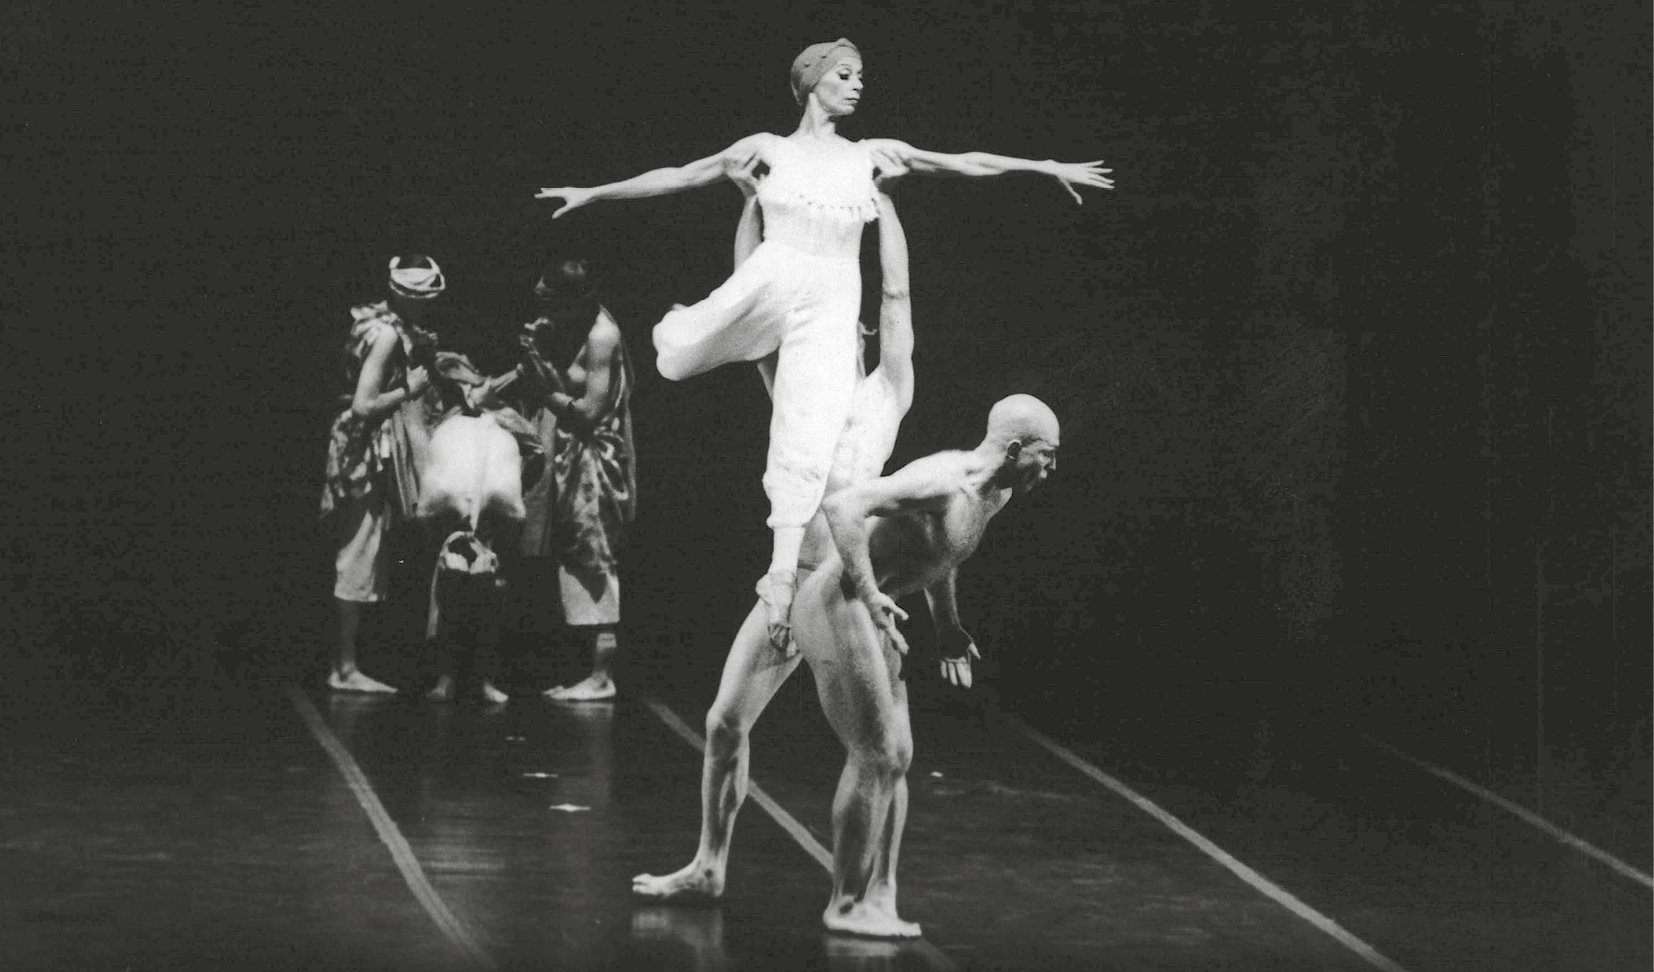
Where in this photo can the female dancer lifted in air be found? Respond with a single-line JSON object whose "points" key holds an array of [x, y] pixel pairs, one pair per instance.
{"points": [[799, 295]]}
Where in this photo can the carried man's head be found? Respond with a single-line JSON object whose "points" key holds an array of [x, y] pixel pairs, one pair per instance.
{"points": [[1024, 432]]}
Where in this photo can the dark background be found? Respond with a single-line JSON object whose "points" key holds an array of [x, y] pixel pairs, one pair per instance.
{"points": [[1353, 364]]}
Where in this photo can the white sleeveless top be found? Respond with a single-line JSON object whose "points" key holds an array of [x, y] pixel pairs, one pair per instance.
{"points": [[819, 202]]}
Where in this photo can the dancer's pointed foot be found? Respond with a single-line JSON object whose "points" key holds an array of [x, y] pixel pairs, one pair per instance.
{"points": [[861, 918], [492, 695], [697, 882], [593, 689], [776, 590], [444, 690], [881, 897], [355, 681]]}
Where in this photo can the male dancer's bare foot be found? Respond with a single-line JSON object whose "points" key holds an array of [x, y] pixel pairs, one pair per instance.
{"points": [[592, 689], [697, 882], [355, 681], [444, 690], [862, 918], [776, 590], [492, 695]]}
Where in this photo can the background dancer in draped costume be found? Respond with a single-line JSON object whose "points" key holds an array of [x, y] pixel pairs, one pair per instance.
{"points": [[800, 292], [895, 535], [576, 360], [371, 470], [753, 672]]}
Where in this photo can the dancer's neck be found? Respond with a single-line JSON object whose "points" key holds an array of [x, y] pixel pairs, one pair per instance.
{"points": [[817, 124]]}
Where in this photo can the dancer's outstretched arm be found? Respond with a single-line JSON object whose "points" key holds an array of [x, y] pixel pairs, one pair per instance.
{"points": [[984, 164], [658, 182]]}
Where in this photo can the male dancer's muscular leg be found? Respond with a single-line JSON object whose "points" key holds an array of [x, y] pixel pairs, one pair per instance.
{"points": [[858, 679], [752, 674]]}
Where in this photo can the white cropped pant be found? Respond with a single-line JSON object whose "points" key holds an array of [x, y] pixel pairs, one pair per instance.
{"points": [[806, 306]]}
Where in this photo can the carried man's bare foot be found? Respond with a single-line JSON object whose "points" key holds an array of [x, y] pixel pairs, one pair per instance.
{"points": [[355, 681], [693, 883], [444, 690], [593, 689], [492, 695], [776, 590], [862, 918]]}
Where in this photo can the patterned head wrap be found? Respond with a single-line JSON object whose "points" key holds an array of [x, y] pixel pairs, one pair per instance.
{"points": [[416, 282], [815, 61]]}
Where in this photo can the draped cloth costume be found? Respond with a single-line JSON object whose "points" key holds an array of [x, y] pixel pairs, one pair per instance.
{"points": [[372, 465], [799, 293], [594, 500], [579, 511]]}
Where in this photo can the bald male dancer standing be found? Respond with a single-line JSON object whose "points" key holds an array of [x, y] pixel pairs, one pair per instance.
{"points": [[896, 535], [755, 670], [892, 536]]}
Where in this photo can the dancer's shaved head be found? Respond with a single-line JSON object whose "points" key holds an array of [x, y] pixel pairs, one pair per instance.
{"points": [[1022, 418]]}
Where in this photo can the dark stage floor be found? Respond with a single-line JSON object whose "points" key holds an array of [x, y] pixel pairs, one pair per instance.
{"points": [[256, 822]]}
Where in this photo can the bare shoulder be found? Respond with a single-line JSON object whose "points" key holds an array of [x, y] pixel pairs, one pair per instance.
{"points": [[937, 474], [605, 331], [382, 336], [894, 145], [760, 142]]}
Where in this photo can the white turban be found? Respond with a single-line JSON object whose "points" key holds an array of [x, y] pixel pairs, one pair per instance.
{"points": [[416, 283]]}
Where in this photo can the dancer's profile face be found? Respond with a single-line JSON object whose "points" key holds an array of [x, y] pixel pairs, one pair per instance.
{"points": [[1037, 461], [839, 90]]}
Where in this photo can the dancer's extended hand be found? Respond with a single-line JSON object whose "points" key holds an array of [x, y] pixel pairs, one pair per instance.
{"points": [[572, 198], [885, 614], [1072, 174], [743, 172]]}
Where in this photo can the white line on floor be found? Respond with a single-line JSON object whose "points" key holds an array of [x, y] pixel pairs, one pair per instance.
{"points": [[1267, 887], [937, 958], [1528, 816], [401, 853]]}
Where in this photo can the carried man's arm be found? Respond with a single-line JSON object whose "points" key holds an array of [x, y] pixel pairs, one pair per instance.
{"points": [[896, 307]]}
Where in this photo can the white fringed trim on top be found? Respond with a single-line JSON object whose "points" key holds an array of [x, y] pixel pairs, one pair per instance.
{"points": [[863, 212]]}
